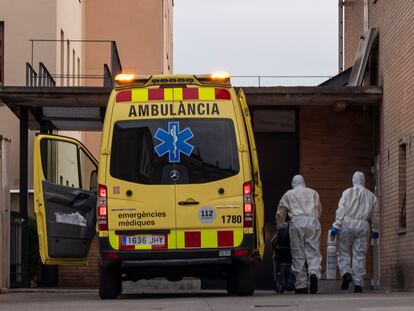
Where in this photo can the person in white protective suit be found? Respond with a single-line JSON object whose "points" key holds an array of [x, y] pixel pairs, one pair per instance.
{"points": [[304, 208], [356, 207]]}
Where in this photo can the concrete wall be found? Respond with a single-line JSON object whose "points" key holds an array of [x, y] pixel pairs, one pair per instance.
{"points": [[24, 20], [137, 27], [394, 20], [167, 37], [70, 20]]}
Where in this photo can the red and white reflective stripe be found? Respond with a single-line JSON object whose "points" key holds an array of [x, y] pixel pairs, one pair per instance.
{"points": [[225, 239], [102, 208], [248, 204], [192, 239], [156, 94], [124, 96], [190, 93], [165, 94]]}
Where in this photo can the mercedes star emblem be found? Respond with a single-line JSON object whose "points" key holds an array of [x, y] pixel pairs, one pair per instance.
{"points": [[175, 175]]}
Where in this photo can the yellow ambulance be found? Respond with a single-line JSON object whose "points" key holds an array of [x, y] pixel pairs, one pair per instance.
{"points": [[177, 191]]}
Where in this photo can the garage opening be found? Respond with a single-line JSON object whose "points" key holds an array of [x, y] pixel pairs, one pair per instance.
{"points": [[277, 141]]}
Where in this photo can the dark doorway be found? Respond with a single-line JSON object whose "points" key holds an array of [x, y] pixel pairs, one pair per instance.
{"points": [[277, 141]]}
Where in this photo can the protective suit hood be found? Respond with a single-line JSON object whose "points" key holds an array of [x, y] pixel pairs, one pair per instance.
{"points": [[358, 179], [298, 180]]}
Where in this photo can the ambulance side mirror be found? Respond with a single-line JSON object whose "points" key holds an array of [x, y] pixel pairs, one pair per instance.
{"points": [[93, 181]]}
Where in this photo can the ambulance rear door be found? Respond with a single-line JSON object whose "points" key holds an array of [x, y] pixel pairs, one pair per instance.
{"points": [[258, 192], [209, 201], [65, 181], [140, 189]]}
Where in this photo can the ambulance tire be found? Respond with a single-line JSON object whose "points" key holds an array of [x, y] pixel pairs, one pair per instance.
{"points": [[110, 282], [244, 279]]}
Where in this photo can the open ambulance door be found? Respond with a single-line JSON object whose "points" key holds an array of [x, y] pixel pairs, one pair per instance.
{"points": [[65, 183], [258, 195]]}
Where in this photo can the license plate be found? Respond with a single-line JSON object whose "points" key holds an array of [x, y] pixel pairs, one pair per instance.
{"points": [[154, 240]]}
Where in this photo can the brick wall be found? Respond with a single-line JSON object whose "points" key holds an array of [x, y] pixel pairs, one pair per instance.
{"points": [[354, 28], [394, 19], [333, 146], [73, 276]]}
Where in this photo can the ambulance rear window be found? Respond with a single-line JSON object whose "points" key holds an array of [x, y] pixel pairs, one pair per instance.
{"points": [[174, 151]]}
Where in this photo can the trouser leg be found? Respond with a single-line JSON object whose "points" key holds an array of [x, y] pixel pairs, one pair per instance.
{"points": [[312, 249], [298, 257], [345, 242], [359, 251]]}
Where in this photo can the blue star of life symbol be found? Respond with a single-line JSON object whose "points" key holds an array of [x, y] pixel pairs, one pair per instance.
{"points": [[174, 142]]}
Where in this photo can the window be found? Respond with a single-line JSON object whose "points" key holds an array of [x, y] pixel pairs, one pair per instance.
{"points": [[88, 172], [65, 164], [214, 155], [1, 53], [402, 184], [60, 160]]}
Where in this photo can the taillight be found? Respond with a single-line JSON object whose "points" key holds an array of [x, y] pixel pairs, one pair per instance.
{"points": [[240, 252], [111, 255], [102, 208], [248, 204]]}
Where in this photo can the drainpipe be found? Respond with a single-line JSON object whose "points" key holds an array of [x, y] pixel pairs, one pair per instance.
{"points": [[366, 16], [341, 14], [340, 36]]}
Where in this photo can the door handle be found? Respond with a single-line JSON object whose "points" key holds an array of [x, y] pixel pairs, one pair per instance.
{"points": [[80, 196], [188, 202]]}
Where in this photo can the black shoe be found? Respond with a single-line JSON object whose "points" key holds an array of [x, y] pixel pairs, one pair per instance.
{"points": [[357, 289], [346, 279], [313, 287], [301, 290]]}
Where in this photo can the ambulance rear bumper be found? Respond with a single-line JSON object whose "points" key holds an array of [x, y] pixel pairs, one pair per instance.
{"points": [[173, 257], [175, 262]]}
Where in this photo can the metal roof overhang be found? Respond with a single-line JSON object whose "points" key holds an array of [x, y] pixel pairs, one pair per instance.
{"points": [[83, 108], [312, 96], [58, 108]]}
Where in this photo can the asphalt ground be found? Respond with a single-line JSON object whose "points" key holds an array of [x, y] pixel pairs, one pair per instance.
{"points": [[61, 299]]}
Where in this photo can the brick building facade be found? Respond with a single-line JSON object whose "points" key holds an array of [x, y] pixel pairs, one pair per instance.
{"points": [[333, 146], [394, 21]]}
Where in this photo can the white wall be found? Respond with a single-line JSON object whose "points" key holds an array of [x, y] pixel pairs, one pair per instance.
{"points": [[24, 20], [70, 19], [34, 19]]}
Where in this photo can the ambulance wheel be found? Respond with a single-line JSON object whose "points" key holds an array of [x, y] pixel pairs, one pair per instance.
{"points": [[244, 279], [110, 282]]}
